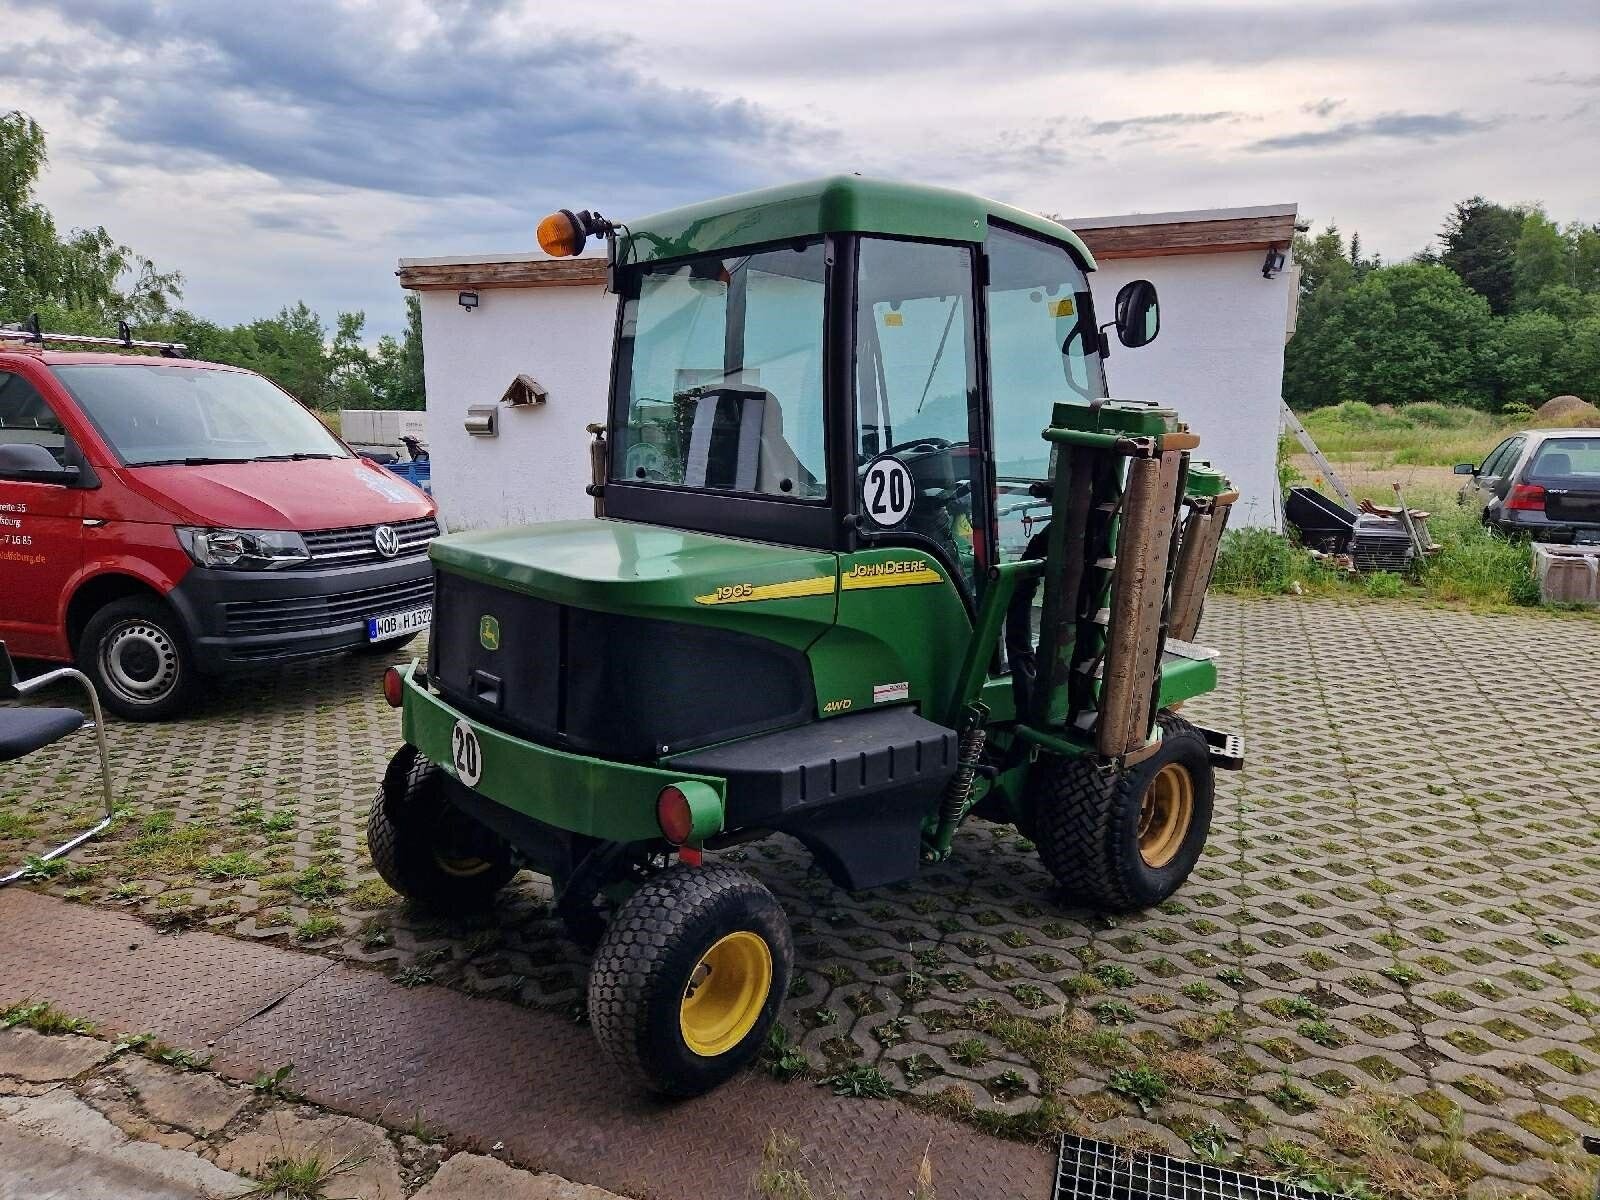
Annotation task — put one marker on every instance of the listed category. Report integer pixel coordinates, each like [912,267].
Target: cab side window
[26,420]
[1043,349]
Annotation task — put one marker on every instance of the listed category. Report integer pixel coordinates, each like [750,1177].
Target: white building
[1227,292]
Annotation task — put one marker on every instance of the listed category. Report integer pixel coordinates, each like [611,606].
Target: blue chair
[24,730]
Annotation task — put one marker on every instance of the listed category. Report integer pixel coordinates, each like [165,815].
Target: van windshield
[157,414]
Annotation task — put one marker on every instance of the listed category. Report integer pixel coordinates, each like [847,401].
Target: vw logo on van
[386,540]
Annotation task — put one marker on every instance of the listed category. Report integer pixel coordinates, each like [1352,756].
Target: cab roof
[835,204]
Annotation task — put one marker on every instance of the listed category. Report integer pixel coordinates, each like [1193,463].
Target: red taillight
[394,687]
[674,815]
[1526,497]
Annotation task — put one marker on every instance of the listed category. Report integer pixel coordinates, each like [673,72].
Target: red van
[163,519]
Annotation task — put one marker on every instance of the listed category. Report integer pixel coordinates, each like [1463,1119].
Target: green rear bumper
[593,796]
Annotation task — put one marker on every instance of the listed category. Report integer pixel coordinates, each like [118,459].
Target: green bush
[1516,408]
[1478,565]
[1258,560]
[1437,416]
[1384,585]
[1358,414]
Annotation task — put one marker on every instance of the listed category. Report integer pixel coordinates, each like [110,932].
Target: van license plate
[392,625]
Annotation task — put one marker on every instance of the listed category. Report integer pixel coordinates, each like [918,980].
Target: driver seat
[761,456]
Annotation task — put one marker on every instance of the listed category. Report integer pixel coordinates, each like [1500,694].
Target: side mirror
[1138,314]
[1465,469]
[27,462]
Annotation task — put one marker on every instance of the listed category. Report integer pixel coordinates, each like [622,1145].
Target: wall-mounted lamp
[1273,264]
[483,420]
[467,300]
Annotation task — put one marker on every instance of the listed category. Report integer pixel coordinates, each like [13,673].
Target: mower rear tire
[689,978]
[1120,841]
[427,849]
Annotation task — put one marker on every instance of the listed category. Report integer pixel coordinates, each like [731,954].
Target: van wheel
[136,653]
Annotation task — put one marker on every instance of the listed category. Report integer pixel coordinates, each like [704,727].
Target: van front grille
[357,543]
[288,614]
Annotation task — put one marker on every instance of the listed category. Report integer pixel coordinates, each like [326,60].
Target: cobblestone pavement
[1388,959]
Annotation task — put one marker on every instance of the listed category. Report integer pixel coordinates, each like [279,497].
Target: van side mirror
[1465,469]
[1138,314]
[30,463]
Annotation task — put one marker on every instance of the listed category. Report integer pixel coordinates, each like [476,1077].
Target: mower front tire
[1120,841]
[427,849]
[689,977]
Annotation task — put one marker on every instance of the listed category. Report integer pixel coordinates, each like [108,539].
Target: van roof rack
[30,333]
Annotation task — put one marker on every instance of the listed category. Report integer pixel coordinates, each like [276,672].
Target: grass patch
[1437,435]
[314,929]
[1476,567]
[42,1017]
[299,1177]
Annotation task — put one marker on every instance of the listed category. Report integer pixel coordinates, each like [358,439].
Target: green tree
[1543,259]
[1585,256]
[83,278]
[1406,333]
[1480,245]
[396,366]
[1328,269]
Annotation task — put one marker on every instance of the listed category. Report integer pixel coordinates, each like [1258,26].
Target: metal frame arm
[99,726]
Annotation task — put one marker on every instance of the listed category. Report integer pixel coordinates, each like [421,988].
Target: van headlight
[244,549]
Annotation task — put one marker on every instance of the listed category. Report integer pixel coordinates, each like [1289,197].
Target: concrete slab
[199,1103]
[34,1058]
[58,1146]
[479,1177]
[358,1158]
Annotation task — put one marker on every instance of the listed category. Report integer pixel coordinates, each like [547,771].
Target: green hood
[780,592]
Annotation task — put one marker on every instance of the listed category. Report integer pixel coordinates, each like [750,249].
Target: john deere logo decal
[489,632]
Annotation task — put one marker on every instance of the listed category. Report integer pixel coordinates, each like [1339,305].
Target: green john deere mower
[874,552]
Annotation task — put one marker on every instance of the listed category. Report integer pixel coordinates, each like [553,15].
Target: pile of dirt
[1568,410]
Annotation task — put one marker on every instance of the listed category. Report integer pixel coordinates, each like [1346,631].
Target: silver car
[1544,483]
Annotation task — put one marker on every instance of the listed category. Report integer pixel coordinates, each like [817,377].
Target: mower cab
[856,431]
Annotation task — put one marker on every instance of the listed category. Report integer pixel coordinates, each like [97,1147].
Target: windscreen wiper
[297,456]
[193,461]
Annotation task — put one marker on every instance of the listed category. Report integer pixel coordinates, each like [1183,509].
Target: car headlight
[244,549]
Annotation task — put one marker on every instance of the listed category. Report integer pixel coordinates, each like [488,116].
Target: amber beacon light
[563,233]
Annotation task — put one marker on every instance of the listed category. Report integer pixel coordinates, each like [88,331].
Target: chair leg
[99,727]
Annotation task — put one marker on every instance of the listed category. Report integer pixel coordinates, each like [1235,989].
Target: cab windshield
[719,374]
[155,415]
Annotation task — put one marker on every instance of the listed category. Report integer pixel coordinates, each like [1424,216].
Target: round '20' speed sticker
[466,754]
[886,491]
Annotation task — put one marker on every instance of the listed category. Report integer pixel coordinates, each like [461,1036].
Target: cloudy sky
[287,150]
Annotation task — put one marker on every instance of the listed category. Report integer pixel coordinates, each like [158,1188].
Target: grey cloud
[1415,127]
[306,224]
[1321,108]
[1046,39]
[316,96]
[1567,79]
[1159,121]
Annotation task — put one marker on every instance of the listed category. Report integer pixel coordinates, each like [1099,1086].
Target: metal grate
[356,544]
[1091,1170]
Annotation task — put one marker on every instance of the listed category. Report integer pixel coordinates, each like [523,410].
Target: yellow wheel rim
[1165,814]
[725,994]
[463,867]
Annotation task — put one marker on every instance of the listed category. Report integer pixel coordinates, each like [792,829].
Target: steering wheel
[932,443]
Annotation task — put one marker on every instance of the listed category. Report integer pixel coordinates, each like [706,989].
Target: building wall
[538,465]
[1218,360]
